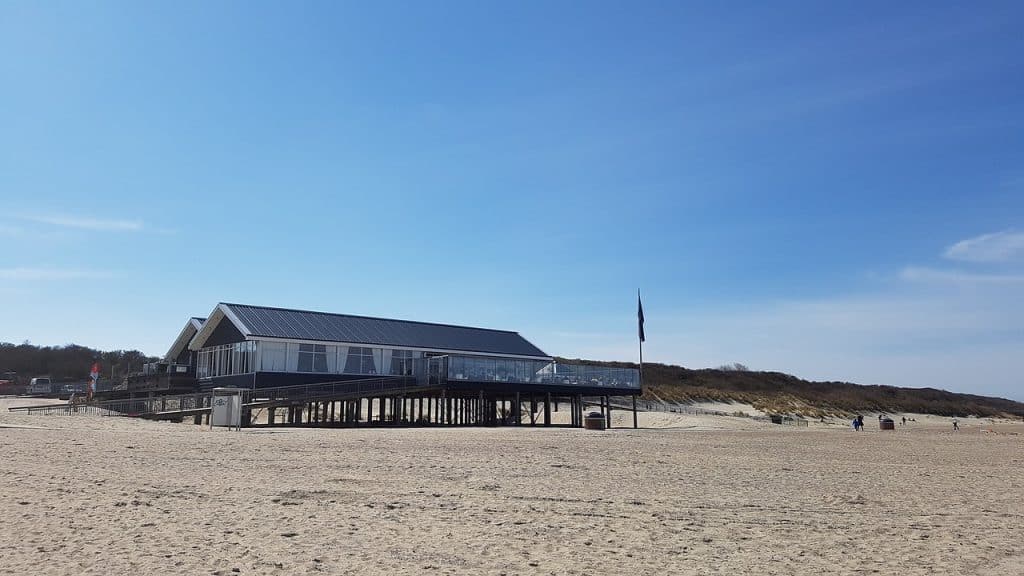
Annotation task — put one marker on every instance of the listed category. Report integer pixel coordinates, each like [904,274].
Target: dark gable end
[224,333]
[184,357]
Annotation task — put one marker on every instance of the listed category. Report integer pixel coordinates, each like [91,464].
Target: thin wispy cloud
[87,223]
[939,275]
[28,273]
[1003,246]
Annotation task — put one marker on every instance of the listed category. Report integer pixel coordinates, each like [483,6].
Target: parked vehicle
[40,386]
[66,390]
[10,387]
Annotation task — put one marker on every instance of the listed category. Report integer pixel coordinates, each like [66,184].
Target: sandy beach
[696,495]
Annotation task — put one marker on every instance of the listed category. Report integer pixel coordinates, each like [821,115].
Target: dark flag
[640,316]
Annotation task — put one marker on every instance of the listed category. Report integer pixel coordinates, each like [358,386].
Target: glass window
[320,359]
[341,360]
[235,358]
[292,364]
[369,365]
[332,359]
[353,361]
[457,368]
[362,360]
[312,358]
[273,356]
[401,362]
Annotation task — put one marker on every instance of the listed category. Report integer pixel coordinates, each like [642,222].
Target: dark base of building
[444,407]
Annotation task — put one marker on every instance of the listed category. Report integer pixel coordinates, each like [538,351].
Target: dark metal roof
[326,327]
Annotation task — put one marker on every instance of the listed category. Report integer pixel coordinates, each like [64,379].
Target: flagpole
[640,339]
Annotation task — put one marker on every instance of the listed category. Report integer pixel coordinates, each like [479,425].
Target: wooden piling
[479,413]
[547,409]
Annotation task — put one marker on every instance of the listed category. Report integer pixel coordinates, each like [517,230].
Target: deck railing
[525,371]
[258,396]
[309,392]
[123,407]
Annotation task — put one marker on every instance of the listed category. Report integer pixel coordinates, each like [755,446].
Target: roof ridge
[371,318]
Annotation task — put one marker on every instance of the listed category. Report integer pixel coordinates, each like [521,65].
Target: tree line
[22,362]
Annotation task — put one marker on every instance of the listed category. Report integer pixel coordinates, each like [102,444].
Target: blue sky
[830,190]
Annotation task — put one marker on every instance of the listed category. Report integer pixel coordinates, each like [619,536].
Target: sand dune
[699,495]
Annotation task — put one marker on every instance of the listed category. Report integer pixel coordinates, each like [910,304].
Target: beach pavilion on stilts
[299,367]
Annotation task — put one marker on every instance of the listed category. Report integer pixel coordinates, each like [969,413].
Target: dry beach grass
[90,495]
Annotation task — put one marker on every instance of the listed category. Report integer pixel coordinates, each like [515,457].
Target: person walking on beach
[904,421]
[956,424]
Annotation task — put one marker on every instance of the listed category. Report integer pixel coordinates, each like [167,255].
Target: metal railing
[258,397]
[344,388]
[654,406]
[123,407]
[523,371]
